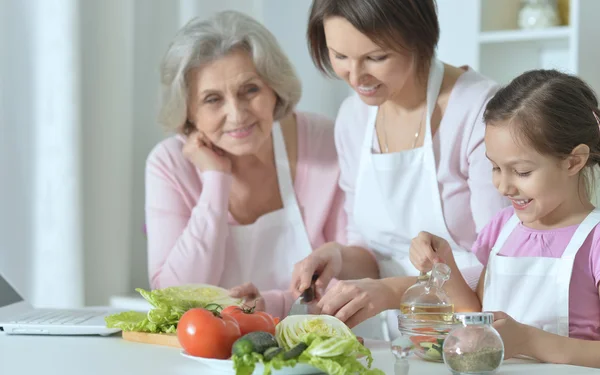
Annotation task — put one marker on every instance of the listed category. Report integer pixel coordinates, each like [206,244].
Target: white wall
[16,159]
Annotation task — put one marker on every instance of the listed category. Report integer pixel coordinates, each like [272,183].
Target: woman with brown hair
[410,146]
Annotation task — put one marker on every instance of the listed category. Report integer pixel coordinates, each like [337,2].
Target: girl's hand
[204,155]
[513,334]
[427,249]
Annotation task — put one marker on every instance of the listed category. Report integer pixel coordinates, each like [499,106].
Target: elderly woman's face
[375,73]
[231,104]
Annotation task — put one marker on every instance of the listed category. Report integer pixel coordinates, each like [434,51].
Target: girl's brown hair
[553,112]
[401,25]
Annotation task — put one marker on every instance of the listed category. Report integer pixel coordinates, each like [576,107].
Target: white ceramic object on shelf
[538,14]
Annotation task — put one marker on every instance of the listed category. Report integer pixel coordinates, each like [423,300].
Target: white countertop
[72,355]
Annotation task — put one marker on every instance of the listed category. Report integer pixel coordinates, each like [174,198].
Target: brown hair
[552,111]
[388,23]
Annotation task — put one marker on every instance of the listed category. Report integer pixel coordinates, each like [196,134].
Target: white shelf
[503,36]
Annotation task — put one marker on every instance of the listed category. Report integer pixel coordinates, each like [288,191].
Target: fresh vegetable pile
[168,306]
[210,324]
[321,341]
[249,338]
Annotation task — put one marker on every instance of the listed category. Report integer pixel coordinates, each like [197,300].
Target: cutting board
[165,339]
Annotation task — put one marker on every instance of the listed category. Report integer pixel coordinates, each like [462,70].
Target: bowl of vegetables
[426,334]
[299,345]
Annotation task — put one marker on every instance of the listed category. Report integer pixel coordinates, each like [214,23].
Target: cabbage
[169,304]
[296,328]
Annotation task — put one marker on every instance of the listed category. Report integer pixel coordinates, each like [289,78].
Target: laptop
[20,318]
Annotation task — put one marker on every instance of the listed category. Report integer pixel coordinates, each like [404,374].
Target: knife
[300,306]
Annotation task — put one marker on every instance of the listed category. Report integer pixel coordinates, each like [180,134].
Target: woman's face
[375,73]
[231,104]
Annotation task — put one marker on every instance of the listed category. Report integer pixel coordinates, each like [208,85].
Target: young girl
[542,255]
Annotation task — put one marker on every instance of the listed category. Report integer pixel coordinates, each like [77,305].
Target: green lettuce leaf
[127,321]
[342,365]
[246,364]
[169,304]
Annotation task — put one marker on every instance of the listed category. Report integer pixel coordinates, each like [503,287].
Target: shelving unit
[509,36]
[484,35]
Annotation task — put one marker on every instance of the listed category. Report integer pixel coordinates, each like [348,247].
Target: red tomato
[250,320]
[417,340]
[201,333]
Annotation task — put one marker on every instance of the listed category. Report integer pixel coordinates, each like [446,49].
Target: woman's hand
[325,261]
[427,249]
[355,301]
[514,334]
[200,151]
[250,294]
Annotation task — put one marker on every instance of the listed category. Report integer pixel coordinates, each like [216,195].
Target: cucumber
[254,342]
[427,345]
[295,351]
[271,353]
[433,354]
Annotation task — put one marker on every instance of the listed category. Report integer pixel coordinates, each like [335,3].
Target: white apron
[542,284]
[397,196]
[266,251]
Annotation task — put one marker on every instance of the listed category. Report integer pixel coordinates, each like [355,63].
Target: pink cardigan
[187,214]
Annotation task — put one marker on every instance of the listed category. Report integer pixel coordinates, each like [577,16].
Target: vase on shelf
[563,11]
[538,14]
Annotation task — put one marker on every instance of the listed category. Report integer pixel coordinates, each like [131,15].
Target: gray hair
[203,41]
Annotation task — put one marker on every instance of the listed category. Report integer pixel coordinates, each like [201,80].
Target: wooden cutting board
[165,339]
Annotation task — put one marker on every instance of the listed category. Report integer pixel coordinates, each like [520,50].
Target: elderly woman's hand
[204,155]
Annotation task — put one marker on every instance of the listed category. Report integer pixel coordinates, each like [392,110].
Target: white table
[91,355]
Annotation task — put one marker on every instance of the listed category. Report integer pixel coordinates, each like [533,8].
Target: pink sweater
[469,199]
[187,213]
[584,303]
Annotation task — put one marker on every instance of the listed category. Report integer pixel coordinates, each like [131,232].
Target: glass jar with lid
[474,347]
[426,299]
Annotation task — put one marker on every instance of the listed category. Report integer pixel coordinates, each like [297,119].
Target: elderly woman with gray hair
[247,186]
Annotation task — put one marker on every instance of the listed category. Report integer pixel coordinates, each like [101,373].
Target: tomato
[417,340]
[250,320]
[203,333]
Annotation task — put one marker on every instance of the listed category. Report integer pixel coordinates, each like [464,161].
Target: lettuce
[169,304]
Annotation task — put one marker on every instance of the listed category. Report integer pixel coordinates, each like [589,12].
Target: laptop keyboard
[70,317]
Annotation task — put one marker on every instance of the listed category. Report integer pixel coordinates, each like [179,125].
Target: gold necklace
[417,133]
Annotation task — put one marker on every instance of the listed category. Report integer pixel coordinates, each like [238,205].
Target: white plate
[225,366]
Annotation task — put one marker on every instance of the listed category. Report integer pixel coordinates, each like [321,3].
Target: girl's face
[543,189]
[375,73]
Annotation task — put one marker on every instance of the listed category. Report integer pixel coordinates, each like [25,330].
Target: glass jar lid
[474,318]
